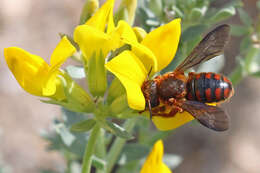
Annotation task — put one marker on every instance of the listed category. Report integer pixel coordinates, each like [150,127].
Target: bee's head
[149,89]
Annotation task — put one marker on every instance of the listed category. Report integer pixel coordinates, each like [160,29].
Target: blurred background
[34,26]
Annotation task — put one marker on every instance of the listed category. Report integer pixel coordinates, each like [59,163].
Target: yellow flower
[96,38]
[156,51]
[99,33]
[34,75]
[154,163]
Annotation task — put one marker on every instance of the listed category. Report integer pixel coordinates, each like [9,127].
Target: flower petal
[164,169]
[144,54]
[154,163]
[49,86]
[111,23]
[102,17]
[125,31]
[29,70]
[163,42]
[91,40]
[63,50]
[178,120]
[131,72]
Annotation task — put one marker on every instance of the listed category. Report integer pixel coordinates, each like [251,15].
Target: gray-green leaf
[118,130]
[83,126]
[66,136]
[245,18]
[223,14]
[238,30]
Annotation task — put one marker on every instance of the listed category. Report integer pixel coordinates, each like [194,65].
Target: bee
[192,93]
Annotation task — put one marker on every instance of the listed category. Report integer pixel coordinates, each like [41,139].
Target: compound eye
[154,98]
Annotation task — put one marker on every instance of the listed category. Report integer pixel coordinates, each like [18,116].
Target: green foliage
[83,126]
[249,55]
[117,130]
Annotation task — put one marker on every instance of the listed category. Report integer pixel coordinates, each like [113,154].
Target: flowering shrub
[116,58]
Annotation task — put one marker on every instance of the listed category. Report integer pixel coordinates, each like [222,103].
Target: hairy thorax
[171,86]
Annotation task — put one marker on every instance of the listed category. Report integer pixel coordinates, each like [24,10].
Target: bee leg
[176,103]
[172,101]
[150,109]
[168,115]
[159,111]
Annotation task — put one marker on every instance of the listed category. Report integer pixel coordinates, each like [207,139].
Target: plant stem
[90,148]
[101,148]
[118,144]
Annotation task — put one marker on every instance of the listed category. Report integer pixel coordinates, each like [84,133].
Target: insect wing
[210,46]
[210,116]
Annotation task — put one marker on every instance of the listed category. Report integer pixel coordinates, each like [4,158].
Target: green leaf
[245,18]
[129,167]
[238,30]
[245,44]
[158,135]
[193,31]
[178,12]
[135,151]
[223,14]
[156,7]
[118,130]
[75,72]
[197,13]
[98,163]
[66,136]
[83,126]
[127,113]
[252,61]
[237,75]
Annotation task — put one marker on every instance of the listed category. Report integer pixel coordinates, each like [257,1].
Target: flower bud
[115,90]
[126,11]
[77,99]
[96,74]
[88,10]
[119,105]
[140,33]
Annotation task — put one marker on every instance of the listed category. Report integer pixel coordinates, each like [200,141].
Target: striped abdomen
[208,87]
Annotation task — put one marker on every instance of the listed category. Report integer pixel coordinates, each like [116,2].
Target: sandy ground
[34,26]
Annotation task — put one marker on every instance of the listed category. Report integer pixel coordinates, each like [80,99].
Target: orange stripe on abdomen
[218,94]
[208,94]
